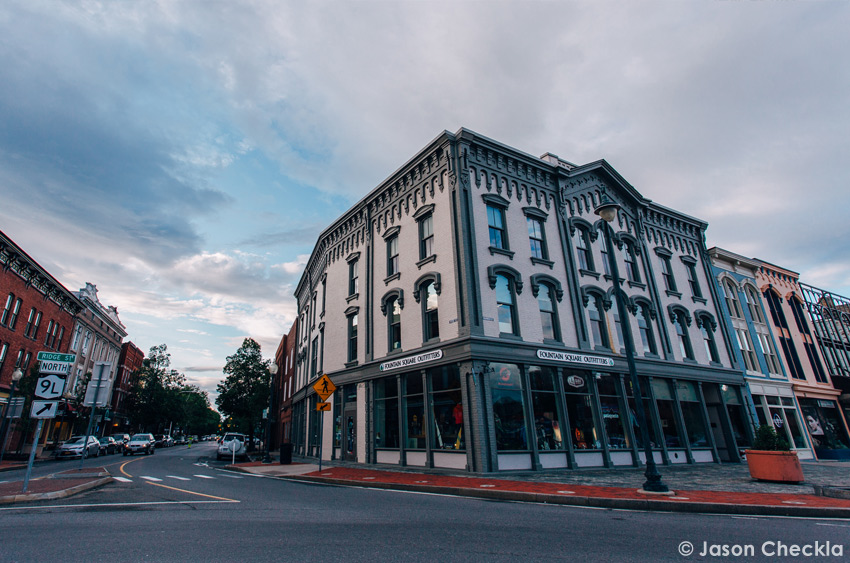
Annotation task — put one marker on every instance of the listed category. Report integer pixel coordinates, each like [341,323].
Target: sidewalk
[58,485]
[730,490]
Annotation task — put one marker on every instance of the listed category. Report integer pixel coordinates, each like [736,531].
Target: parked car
[121,439]
[230,443]
[140,443]
[73,447]
[107,445]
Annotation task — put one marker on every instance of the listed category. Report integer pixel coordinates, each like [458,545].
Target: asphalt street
[182,505]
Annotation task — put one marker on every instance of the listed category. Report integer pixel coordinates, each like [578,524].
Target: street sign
[323,406]
[54,357]
[98,385]
[15,408]
[324,387]
[51,366]
[43,409]
[49,386]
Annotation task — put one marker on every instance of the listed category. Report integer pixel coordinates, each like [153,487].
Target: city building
[464,311]
[37,315]
[810,380]
[772,396]
[285,360]
[129,361]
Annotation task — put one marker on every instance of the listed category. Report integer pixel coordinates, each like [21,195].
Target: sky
[184,156]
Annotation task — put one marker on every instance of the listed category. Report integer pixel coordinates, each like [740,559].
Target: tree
[154,401]
[244,393]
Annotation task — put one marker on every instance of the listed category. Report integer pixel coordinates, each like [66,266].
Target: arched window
[632,263]
[394,324]
[647,337]
[732,300]
[585,256]
[429,311]
[680,322]
[505,305]
[598,331]
[753,305]
[548,313]
[707,325]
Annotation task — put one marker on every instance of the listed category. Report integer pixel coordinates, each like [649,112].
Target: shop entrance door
[349,429]
[717,431]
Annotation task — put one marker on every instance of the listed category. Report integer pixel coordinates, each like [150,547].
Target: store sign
[412,360]
[777,420]
[575,381]
[575,358]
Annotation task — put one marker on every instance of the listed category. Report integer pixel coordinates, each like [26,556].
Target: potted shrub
[771,458]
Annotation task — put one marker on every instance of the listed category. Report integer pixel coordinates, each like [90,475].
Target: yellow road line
[125,463]
[191,492]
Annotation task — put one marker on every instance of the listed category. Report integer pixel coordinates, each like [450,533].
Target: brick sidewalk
[54,486]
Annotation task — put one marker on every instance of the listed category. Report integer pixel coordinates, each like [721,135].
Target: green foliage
[768,440]
[154,401]
[244,393]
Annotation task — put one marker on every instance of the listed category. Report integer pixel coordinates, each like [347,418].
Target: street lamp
[16,376]
[267,458]
[607,210]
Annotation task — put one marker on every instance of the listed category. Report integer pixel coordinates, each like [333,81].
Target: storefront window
[447,408]
[508,407]
[386,413]
[337,422]
[737,416]
[414,412]
[692,413]
[580,412]
[654,440]
[547,417]
[793,423]
[612,415]
[824,423]
[667,413]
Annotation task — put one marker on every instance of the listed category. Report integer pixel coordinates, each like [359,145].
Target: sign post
[324,388]
[102,372]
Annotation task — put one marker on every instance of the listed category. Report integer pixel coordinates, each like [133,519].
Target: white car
[232,443]
[73,447]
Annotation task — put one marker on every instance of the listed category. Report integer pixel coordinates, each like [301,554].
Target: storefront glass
[508,407]
[547,417]
[612,413]
[414,412]
[654,440]
[825,425]
[737,416]
[580,412]
[447,408]
[667,413]
[692,413]
[386,413]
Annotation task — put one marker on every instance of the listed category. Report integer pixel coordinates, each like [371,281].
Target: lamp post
[16,376]
[267,458]
[607,210]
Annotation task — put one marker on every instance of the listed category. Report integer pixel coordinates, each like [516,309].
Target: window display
[667,413]
[508,407]
[692,413]
[386,413]
[447,408]
[580,412]
[612,413]
[414,412]
[547,418]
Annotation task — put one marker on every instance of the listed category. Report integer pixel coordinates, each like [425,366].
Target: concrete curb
[56,494]
[655,504]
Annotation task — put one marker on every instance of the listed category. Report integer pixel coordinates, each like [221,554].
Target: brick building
[285,360]
[129,361]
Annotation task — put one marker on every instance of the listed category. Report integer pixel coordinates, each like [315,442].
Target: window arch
[753,304]
[681,319]
[430,312]
[730,290]
[645,315]
[583,235]
[631,257]
[548,312]
[707,326]
[433,277]
[391,305]
[595,303]
[506,289]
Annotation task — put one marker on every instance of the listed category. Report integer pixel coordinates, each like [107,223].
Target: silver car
[139,443]
[73,447]
[231,444]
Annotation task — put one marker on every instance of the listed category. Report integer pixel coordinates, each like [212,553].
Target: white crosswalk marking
[231,476]
[204,477]
[123,479]
[149,478]
[180,478]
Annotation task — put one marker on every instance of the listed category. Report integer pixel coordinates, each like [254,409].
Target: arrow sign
[43,409]
[323,406]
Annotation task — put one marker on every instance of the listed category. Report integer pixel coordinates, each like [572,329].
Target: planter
[783,467]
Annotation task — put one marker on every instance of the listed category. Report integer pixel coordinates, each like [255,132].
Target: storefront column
[567,431]
[677,407]
[531,427]
[707,422]
[600,422]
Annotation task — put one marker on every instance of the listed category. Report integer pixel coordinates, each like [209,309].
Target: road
[181,505]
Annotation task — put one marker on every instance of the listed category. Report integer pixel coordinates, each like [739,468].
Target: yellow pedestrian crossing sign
[324,387]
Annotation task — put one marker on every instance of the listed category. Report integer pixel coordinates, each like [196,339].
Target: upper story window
[745,343]
[769,353]
[583,252]
[548,313]
[314,357]
[86,342]
[426,236]
[352,337]
[431,308]
[314,310]
[732,300]
[606,262]
[4,350]
[667,273]
[7,310]
[632,263]
[324,293]
[353,277]
[394,324]
[647,337]
[30,321]
[392,255]
[618,323]
[505,304]
[16,309]
[693,280]
[680,323]
[598,330]
[60,337]
[496,224]
[536,238]
[753,305]
[707,327]
[51,332]
[76,341]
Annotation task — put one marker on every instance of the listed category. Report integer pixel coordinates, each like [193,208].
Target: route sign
[55,357]
[51,366]
[49,386]
[323,406]
[324,387]
[43,409]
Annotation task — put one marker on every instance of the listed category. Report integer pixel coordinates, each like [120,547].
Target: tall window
[353,279]
[4,350]
[680,323]
[352,337]
[16,309]
[585,257]
[314,357]
[30,320]
[808,341]
[645,326]
[51,333]
[7,310]
[606,263]
[753,305]
[426,237]
[496,223]
[632,264]
[598,331]
[746,346]
[431,315]
[618,323]
[781,323]
[505,305]
[667,273]
[548,315]
[392,255]
[732,300]
[769,353]
[708,340]
[536,238]
[693,281]
[61,336]
[394,324]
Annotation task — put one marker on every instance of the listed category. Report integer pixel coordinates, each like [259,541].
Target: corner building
[464,311]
